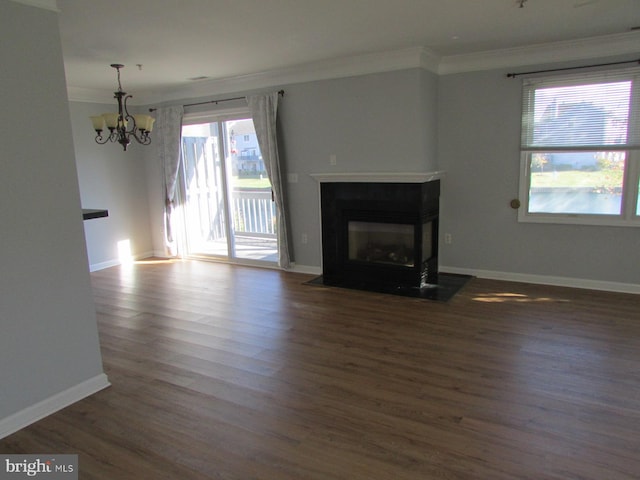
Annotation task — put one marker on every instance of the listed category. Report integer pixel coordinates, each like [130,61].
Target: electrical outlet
[304,239]
[292,177]
[448,238]
[333,160]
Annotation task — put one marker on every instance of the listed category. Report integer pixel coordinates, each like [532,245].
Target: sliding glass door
[229,212]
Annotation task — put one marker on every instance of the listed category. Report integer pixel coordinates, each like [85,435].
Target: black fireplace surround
[380,236]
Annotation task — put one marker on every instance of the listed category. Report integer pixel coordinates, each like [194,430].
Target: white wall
[115,180]
[479,132]
[49,350]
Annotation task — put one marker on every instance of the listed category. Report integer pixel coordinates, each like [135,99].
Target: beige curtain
[169,128]
[264,110]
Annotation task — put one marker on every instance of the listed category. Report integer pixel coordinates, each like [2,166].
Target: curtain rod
[280,92]
[514,75]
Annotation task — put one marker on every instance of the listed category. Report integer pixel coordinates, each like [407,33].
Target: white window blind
[587,111]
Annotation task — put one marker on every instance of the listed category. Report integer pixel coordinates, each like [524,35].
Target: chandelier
[122,125]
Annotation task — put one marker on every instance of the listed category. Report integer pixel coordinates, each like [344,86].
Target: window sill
[578,219]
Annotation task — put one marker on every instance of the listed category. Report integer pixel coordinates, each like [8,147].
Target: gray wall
[479,131]
[113,179]
[412,120]
[373,123]
[49,340]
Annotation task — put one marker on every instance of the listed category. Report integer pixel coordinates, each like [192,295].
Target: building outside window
[580,148]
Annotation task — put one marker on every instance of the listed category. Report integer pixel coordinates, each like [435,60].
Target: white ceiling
[176,41]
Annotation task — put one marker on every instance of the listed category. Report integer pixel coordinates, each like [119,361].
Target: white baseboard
[308,269]
[546,280]
[94,267]
[491,274]
[517,277]
[56,402]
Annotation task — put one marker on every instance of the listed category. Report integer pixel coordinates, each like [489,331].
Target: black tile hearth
[448,285]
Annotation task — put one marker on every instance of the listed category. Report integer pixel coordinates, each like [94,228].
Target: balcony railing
[249,156]
[254,224]
[253,213]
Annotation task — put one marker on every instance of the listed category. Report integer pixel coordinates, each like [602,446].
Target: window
[580,149]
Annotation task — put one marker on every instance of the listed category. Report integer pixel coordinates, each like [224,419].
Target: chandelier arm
[143,139]
[139,135]
[112,137]
[100,140]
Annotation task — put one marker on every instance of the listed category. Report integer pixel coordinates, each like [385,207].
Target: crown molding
[414,57]
[94,95]
[44,4]
[594,47]
[88,95]
[380,62]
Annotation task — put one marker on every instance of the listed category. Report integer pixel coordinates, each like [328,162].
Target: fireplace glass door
[385,243]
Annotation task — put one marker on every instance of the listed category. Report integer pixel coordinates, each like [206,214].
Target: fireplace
[380,236]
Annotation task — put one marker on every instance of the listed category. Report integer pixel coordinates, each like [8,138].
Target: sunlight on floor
[158,261]
[124,252]
[504,297]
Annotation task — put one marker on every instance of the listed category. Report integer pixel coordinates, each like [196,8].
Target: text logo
[50,467]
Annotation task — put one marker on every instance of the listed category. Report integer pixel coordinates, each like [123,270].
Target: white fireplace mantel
[379,177]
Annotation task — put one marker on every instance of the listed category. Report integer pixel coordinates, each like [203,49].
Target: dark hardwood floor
[222,372]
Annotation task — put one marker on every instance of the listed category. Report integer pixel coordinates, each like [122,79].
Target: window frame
[630,209]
